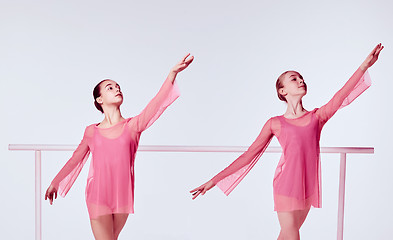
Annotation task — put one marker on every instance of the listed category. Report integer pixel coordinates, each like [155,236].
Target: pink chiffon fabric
[297,179]
[110,183]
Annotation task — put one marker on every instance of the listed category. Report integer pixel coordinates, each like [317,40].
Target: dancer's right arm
[68,174]
[252,154]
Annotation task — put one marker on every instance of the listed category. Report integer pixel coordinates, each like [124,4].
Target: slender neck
[295,107]
[112,116]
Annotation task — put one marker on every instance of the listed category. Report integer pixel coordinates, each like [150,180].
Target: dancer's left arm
[165,97]
[327,111]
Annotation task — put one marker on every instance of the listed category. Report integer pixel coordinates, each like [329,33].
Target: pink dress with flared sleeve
[110,183]
[297,179]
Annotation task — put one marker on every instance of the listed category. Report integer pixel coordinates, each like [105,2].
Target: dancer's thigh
[102,227]
[119,220]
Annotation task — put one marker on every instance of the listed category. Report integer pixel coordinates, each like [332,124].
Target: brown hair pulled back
[97,94]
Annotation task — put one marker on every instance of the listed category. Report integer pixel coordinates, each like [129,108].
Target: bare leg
[102,227]
[302,217]
[290,223]
[119,220]
[289,227]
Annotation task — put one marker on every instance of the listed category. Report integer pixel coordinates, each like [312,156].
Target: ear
[282,92]
[99,100]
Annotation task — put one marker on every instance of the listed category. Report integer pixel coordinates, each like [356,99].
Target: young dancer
[297,181]
[113,144]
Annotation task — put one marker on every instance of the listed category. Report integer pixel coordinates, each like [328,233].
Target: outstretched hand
[50,192]
[183,64]
[202,189]
[372,57]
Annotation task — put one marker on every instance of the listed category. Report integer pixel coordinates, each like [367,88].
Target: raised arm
[68,174]
[167,94]
[231,176]
[357,84]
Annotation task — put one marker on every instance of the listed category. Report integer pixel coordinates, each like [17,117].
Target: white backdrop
[54,52]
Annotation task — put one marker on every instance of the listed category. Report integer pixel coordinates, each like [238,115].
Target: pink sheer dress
[297,179]
[110,183]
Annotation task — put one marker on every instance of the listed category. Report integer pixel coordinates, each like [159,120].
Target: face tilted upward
[293,85]
[110,94]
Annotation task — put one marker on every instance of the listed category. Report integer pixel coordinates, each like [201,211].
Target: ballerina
[113,143]
[297,181]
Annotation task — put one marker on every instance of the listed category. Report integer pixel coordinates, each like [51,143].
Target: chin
[118,103]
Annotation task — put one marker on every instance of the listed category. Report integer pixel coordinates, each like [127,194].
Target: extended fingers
[378,50]
[49,196]
[196,194]
[198,188]
[196,191]
[185,57]
[188,61]
[183,64]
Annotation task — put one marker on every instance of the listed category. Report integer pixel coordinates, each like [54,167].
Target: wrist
[54,184]
[213,181]
[173,73]
[172,76]
[363,67]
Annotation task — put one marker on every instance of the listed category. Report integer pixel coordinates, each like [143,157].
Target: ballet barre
[38,148]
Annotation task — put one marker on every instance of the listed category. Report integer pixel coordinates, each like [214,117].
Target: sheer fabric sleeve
[355,86]
[231,176]
[68,174]
[167,94]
